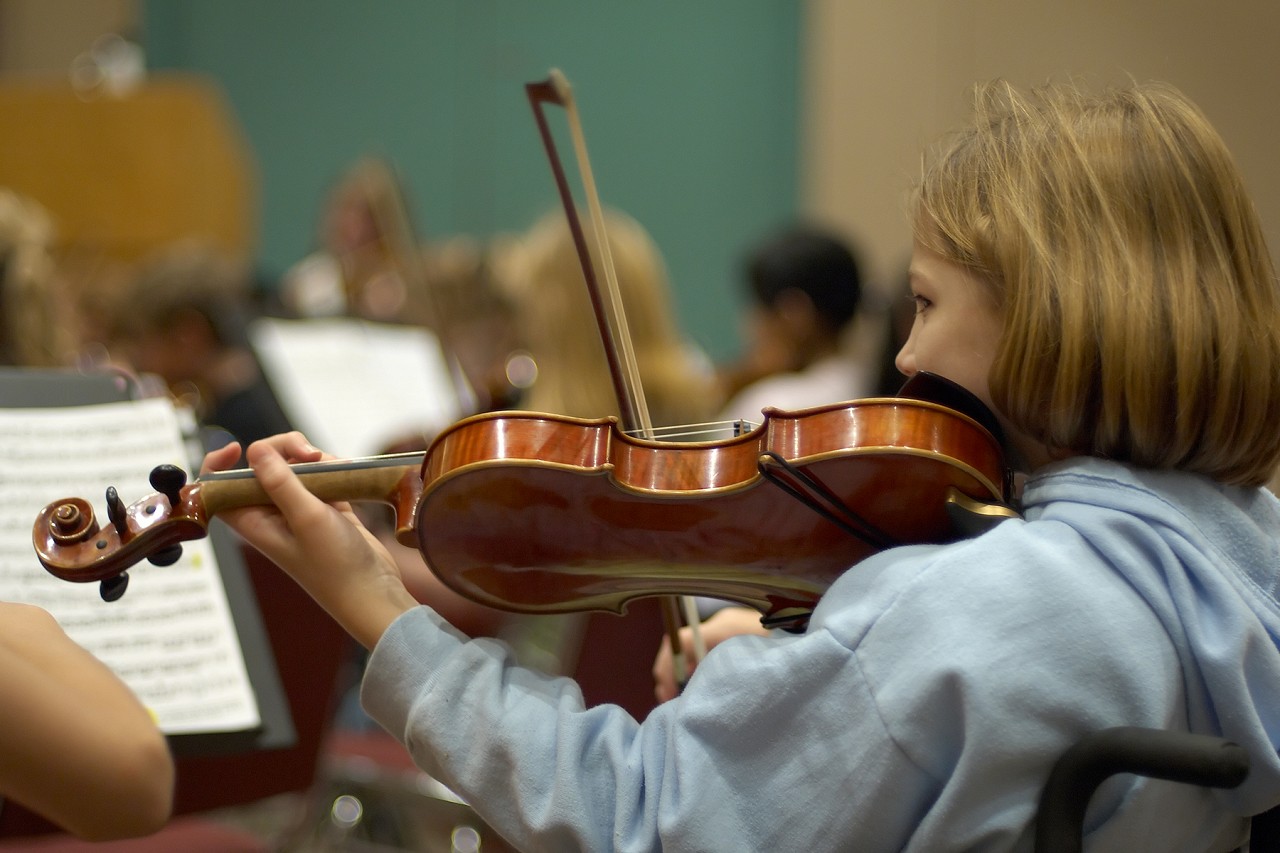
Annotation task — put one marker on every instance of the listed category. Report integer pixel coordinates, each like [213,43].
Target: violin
[541,513]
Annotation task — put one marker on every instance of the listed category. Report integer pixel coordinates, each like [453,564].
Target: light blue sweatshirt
[923,707]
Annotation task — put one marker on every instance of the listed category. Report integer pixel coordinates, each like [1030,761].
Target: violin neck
[393,480]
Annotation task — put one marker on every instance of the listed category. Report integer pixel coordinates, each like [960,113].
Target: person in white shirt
[806,287]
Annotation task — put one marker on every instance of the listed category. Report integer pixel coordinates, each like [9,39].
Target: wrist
[374,613]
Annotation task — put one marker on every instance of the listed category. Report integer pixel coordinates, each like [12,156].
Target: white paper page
[353,386]
[171,637]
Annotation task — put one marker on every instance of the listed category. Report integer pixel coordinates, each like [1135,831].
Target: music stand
[275,621]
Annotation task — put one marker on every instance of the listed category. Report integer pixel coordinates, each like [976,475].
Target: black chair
[1175,756]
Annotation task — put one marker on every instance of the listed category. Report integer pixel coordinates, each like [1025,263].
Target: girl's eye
[921,302]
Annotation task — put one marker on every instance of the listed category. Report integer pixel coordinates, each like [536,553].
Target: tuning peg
[169,480]
[116,512]
[112,588]
[167,557]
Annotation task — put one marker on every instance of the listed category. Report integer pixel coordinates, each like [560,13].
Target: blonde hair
[1141,311]
[559,327]
[36,312]
[370,184]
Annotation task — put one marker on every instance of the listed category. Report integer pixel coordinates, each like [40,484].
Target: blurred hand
[723,624]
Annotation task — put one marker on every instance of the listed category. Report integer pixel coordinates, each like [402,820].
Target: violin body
[543,514]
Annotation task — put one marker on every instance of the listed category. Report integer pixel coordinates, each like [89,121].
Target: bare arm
[469,617]
[76,745]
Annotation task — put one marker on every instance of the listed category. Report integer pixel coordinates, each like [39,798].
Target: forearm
[470,617]
[79,747]
[365,612]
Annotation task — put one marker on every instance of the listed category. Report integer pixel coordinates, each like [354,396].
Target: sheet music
[352,386]
[171,637]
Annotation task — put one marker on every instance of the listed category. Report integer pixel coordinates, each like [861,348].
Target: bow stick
[606,304]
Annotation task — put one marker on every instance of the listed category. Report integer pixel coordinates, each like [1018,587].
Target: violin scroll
[73,546]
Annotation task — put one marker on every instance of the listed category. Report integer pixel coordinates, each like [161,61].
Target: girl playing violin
[1089,266]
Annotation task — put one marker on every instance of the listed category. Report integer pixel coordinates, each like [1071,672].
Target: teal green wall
[689,109]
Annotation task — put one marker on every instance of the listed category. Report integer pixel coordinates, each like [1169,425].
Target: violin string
[389,460]
[709,430]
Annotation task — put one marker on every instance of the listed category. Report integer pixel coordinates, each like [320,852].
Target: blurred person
[806,286]
[557,325]
[563,370]
[367,260]
[76,747]
[184,317]
[463,302]
[39,320]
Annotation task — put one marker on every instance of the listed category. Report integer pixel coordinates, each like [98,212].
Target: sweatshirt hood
[1206,559]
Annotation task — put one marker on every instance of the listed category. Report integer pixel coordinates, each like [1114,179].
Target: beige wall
[47,35]
[885,79]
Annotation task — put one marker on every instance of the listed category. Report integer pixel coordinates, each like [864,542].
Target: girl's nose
[905,360]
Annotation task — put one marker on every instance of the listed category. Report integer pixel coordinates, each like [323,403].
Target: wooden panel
[123,175]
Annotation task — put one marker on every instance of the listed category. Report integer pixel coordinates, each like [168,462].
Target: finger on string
[279,480]
[220,459]
[294,447]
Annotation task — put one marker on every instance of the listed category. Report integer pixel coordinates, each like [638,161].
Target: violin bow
[606,303]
